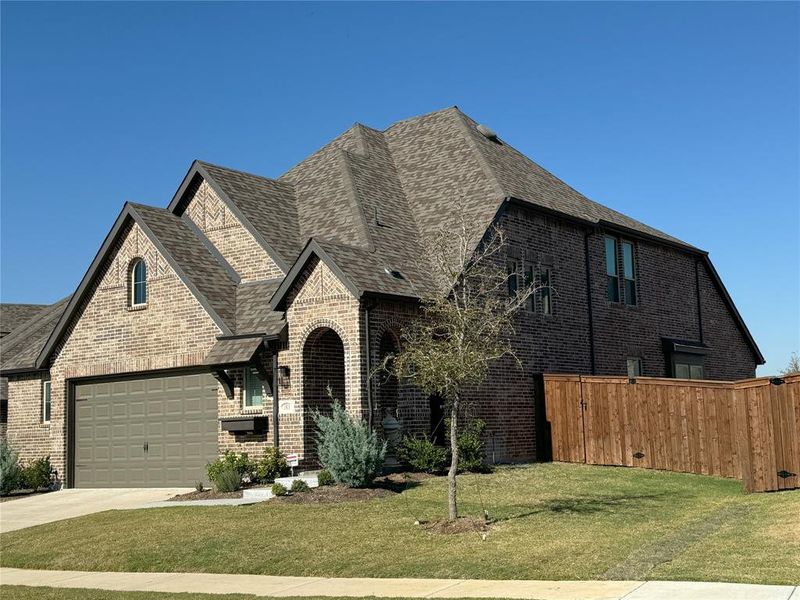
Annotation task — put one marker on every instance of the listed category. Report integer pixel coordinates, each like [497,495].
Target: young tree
[465,323]
[794,365]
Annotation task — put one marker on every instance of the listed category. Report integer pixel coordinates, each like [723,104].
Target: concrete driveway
[66,504]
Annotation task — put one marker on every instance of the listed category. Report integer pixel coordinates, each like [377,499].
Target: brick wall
[319,302]
[26,432]
[207,210]
[107,337]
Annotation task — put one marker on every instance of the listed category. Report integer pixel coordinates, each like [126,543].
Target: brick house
[219,321]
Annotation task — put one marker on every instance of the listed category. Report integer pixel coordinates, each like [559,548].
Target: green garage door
[150,432]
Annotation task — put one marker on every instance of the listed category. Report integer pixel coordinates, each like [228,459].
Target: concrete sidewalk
[265,585]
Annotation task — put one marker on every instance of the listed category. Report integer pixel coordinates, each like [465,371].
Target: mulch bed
[460,525]
[206,495]
[22,494]
[333,494]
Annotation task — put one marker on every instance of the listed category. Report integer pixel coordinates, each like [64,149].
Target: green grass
[553,521]
[20,592]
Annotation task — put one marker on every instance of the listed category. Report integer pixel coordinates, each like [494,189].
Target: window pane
[627,260]
[139,282]
[613,289]
[46,401]
[546,292]
[530,304]
[253,388]
[696,372]
[630,291]
[682,371]
[511,269]
[611,256]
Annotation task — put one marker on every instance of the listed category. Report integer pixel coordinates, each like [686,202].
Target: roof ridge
[422,116]
[356,206]
[466,130]
[247,173]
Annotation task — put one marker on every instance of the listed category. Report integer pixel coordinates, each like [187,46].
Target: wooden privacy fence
[746,429]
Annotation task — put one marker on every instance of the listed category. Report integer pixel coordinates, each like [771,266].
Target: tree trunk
[451,474]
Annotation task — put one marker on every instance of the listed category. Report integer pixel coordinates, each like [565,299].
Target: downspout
[275,400]
[699,303]
[369,367]
[589,299]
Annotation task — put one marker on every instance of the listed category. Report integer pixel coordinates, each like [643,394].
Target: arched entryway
[323,382]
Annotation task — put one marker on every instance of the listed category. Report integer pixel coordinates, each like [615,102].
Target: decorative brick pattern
[236,244]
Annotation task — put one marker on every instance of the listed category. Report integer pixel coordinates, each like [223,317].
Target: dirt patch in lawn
[206,495]
[461,525]
[332,494]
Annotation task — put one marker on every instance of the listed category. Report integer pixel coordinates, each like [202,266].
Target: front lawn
[552,521]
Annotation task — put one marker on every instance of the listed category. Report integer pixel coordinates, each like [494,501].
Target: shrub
[225,466]
[298,485]
[471,452]
[198,486]
[228,479]
[348,449]
[272,465]
[38,474]
[230,460]
[10,473]
[278,489]
[324,477]
[423,455]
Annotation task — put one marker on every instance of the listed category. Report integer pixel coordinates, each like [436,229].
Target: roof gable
[193,263]
[265,207]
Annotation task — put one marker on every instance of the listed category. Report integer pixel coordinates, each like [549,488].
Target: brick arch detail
[308,330]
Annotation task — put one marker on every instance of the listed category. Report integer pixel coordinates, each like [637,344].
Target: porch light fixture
[283,375]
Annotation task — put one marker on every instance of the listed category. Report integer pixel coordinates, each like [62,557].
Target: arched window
[138,282]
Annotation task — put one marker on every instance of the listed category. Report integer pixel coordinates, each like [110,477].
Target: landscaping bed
[333,494]
[206,495]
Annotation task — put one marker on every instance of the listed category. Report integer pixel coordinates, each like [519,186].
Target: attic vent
[488,133]
[395,274]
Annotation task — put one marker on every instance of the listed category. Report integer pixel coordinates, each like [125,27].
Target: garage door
[149,432]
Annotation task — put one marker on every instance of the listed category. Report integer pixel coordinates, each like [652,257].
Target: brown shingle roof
[14,315]
[19,349]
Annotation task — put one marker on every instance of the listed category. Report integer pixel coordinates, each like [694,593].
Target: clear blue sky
[682,115]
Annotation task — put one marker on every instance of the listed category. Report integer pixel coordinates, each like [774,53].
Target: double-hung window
[612,274]
[253,389]
[46,404]
[628,273]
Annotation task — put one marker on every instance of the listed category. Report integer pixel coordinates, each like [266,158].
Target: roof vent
[394,273]
[488,133]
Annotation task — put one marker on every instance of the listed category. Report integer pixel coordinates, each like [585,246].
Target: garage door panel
[145,432]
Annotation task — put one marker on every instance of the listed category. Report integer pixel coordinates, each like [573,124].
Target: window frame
[251,373]
[47,401]
[629,299]
[134,284]
[612,279]
[689,360]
